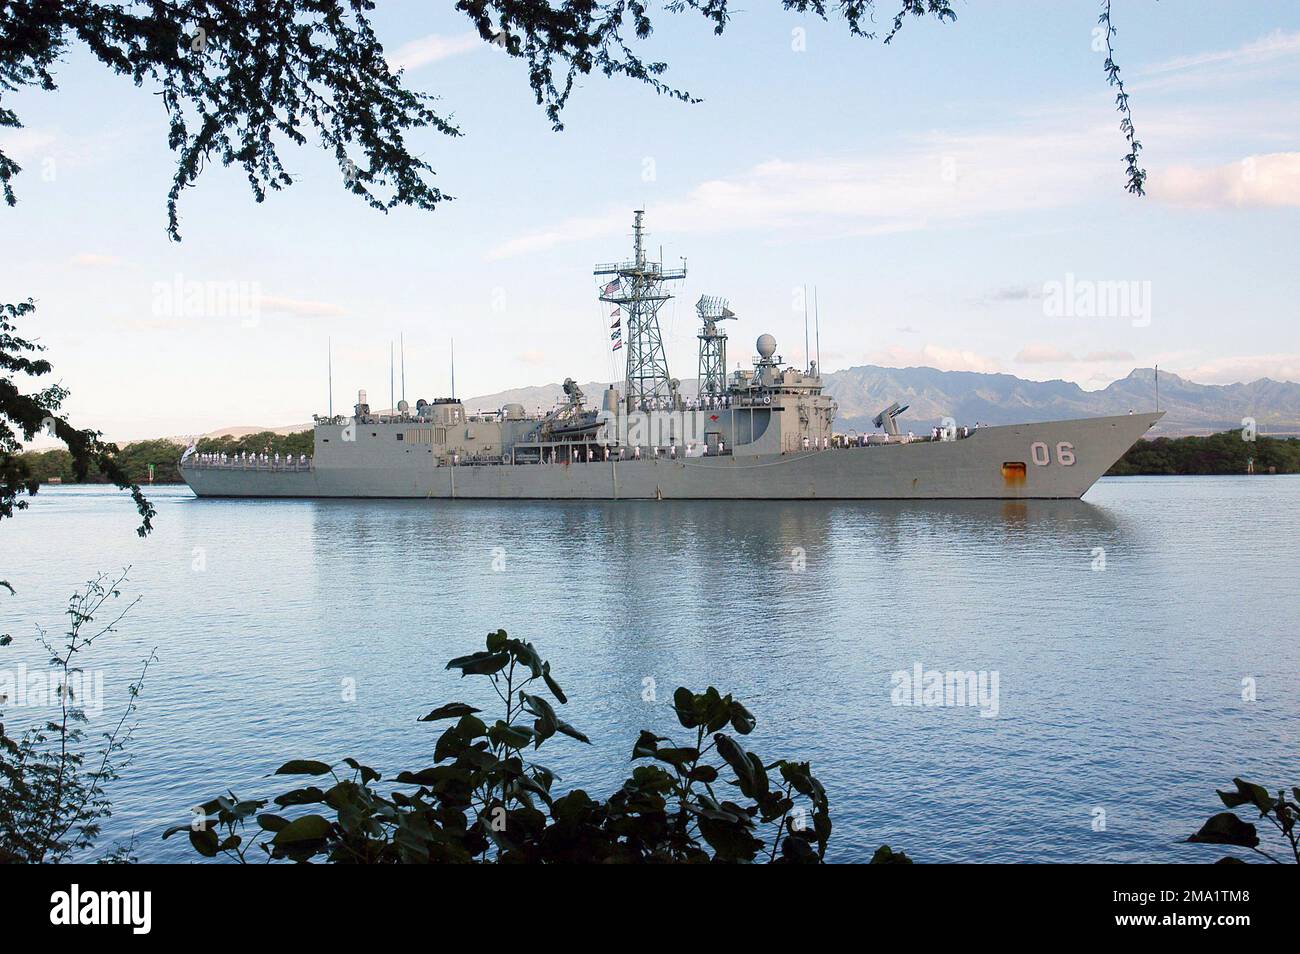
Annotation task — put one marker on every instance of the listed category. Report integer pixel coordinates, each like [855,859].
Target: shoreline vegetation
[1220,454]
[56,466]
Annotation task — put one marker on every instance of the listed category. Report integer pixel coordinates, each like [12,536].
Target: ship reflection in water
[1111,629]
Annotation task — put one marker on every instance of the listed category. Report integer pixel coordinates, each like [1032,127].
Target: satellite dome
[766,346]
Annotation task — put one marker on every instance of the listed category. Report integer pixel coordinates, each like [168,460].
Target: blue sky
[931,190]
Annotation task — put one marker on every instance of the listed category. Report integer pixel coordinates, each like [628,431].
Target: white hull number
[1042,455]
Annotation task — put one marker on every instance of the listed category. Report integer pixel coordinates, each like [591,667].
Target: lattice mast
[713,345]
[637,287]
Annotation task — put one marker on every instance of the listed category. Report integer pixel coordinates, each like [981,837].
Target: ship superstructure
[766,432]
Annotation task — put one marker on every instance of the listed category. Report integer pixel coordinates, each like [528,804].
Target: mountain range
[972,396]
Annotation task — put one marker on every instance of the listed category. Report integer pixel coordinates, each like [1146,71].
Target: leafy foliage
[1224,453]
[1227,828]
[238,78]
[22,416]
[1137,176]
[483,798]
[52,783]
[235,75]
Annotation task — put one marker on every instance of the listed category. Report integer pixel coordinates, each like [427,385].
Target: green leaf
[739,761]
[571,732]
[887,856]
[272,823]
[677,757]
[684,706]
[452,710]
[1248,793]
[547,722]
[368,774]
[742,720]
[204,841]
[513,736]
[1226,828]
[703,773]
[717,710]
[480,663]
[497,641]
[527,656]
[306,828]
[303,767]
[552,685]
[647,744]
[300,796]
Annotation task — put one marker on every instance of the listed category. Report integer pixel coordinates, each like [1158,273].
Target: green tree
[1217,454]
[24,414]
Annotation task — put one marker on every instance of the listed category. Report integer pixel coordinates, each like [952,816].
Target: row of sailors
[247,458]
[586,455]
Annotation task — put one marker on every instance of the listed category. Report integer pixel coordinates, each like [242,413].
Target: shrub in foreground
[1228,828]
[483,799]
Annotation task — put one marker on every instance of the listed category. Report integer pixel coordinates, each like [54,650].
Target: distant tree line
[1225,453]
[263,442]
[164,455]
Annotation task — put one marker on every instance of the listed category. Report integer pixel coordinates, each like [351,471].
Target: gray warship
[761,433]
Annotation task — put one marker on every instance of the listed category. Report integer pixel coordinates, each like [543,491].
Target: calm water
[1118,690]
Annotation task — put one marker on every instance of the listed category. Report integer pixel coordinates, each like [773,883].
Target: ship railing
[287,466]
[850,441]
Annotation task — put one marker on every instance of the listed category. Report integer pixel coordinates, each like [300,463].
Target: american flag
[617,345]
[615,312]
[610,288]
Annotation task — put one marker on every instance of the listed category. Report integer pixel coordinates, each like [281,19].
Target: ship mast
[713,346]
[637,288]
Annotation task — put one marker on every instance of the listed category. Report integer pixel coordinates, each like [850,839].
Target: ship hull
[1048,460]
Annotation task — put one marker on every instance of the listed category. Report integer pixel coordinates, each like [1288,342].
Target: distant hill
[184,440]
[971,396]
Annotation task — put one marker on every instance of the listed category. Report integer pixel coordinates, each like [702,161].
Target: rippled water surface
[1120,690]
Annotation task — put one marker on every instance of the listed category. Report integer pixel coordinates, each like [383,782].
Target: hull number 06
[1042,456]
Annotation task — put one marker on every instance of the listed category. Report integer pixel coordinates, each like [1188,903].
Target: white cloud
[1049,354]
[1246,368]
[95,260]
[930,181]
[935,356]
[1255,181]
[431,49]
[1042,354]
[26,145]
[297,306]
[1275,45]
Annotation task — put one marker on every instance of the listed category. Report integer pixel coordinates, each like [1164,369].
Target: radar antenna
[713,345]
